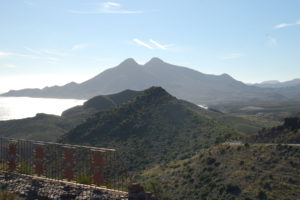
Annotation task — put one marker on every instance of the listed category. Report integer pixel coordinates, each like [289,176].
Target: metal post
[69,162]
[98,164]
[12,155]
[39,156]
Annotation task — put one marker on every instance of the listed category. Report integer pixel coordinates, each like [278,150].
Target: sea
[23,107]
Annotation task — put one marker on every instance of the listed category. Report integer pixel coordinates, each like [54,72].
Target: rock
[137,192]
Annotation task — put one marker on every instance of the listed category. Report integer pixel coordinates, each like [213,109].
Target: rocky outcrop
[137,192]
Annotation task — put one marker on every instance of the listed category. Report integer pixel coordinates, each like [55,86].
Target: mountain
[50,127]
[181,82]
[278,84]
[226,171]
[152,128]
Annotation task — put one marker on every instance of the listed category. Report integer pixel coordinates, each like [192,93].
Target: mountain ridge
[278,84]
[179,81]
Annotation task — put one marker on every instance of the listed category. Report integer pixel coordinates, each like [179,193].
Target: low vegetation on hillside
[288,133]
[153,128]
[230,172]
[46,127]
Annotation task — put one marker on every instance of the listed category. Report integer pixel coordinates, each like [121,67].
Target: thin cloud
[9,66]
[5,54]
[54,52]
[51,52]
[33,50]
[76,47]
[110,5]
[35,57]
[232,56]
[284,25]
[141,43]
[108,8]
[163,47]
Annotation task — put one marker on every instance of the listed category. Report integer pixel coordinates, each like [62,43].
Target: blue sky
[47,42]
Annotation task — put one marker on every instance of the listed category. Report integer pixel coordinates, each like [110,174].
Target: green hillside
[230,172]
[50,127]
[154,127]
[41,127]
[96,104]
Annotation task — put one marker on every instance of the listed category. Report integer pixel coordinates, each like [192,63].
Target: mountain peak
[156,94]
[155,60]
[129,61]
[226,76]
[156,89]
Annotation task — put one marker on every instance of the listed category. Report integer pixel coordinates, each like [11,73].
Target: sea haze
[22,107]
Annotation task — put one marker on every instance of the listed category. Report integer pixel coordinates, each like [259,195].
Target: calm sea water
[22,107]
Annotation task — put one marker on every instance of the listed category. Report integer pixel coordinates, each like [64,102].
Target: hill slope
[41,127]
[50,127]
[182,82]
[154,127]
[230,172]
[288,133]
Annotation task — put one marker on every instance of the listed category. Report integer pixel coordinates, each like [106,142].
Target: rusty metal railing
[73,163]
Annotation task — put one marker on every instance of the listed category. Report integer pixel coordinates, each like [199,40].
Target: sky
[52,42]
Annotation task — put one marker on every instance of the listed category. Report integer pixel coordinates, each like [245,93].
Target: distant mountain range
[278,84]
[181,82]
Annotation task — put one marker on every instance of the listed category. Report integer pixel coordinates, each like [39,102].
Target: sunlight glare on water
[22,107]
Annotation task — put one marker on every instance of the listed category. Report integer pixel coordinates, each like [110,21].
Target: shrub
[262,195]
[5,195]
[233,189]
[84,179]
[210,160]
[24,168]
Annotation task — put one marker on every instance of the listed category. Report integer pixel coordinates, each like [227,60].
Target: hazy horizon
[47,80]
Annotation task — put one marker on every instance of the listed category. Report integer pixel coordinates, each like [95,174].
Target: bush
[210,160]
[233,189]
[24,168]
[5,195]
[262,195]
[84,179]
[155,187]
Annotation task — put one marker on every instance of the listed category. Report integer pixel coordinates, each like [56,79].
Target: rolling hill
[50,127]
[152,128]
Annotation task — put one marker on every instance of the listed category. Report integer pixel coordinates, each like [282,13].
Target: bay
[23,107]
